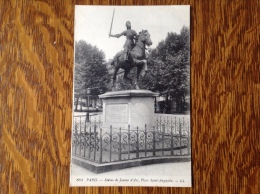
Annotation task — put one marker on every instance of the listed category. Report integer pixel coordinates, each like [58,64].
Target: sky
[92,24]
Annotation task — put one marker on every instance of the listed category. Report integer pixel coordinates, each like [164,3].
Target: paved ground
[168,174]
[176,169]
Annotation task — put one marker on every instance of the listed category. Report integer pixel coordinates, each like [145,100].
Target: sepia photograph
[131,122]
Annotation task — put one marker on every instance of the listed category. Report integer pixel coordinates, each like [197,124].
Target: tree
[90,71]
[169,68]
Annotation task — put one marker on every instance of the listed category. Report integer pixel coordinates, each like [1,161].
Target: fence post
[137,143]
[85,140]
[80,136]
[163,132]
[129,142]
[183,130]
[171,139]
[75,136]
[145,140]
[154,141]
[100,138]
[89,147]
[180,136]
[189,139]
[110,148]
[119,157]
[95,138]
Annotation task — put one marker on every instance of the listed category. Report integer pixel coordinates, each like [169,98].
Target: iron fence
[168,137]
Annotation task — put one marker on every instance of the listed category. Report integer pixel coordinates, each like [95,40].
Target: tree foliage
[90,70]
[169,68]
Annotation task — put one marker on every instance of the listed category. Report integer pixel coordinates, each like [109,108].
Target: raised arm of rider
[117,35]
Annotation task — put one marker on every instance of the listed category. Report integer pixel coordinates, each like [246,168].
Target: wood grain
[36,74]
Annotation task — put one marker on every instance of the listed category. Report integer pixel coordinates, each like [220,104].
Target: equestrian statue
[133,54]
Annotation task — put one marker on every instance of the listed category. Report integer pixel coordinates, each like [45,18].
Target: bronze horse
[136,58]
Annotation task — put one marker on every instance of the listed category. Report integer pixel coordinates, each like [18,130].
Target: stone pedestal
[128,107]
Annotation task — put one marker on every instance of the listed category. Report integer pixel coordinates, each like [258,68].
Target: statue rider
[131,35]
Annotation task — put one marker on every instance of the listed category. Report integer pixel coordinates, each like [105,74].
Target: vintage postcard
[131,97]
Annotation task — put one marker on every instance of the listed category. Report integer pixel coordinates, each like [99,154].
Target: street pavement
[176,169]
[163,175]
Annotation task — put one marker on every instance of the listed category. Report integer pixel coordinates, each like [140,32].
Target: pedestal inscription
[134,108]
[116,113]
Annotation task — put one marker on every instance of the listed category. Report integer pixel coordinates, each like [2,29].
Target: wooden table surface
[36,74]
